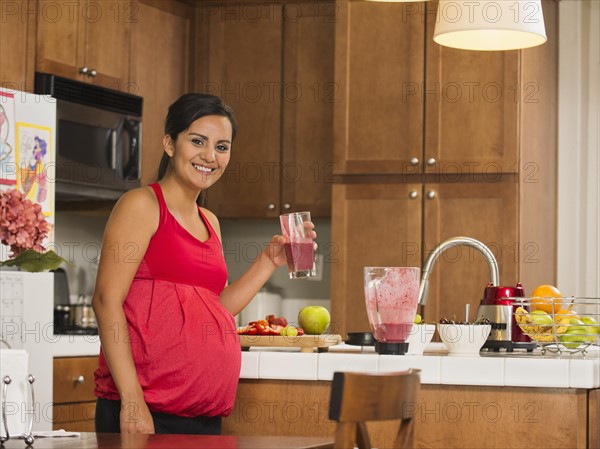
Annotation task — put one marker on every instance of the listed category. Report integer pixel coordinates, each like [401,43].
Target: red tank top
[183,341]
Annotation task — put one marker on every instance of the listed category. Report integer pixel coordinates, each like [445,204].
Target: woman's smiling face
[201,153]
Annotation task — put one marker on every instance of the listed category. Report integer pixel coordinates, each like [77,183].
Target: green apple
[418,319]
[314,319]
[541,318]
[574,337]
[591,324]
[577,333]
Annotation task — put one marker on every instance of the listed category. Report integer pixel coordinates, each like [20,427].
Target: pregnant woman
[170,356]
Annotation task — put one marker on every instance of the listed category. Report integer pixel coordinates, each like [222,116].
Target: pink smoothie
[396,333]
[392,303]
[300,256]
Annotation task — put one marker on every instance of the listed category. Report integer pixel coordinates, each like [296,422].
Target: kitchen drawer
[66,416]
[74,379]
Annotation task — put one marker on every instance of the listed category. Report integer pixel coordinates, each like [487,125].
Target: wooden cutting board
[306,343]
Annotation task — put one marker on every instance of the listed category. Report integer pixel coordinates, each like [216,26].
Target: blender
[391,298]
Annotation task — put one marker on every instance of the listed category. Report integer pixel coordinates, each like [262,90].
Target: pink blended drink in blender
[391,296]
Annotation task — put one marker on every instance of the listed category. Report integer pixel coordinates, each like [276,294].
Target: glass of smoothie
[391,297]
[299,246]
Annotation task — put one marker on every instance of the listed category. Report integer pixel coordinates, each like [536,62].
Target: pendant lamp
[397,1]
[490,25]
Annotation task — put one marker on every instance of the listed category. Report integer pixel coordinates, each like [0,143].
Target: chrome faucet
[451,242]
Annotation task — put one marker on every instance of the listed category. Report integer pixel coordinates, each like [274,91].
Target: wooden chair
[357,398]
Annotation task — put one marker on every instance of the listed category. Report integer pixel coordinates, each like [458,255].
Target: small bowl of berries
[464,338]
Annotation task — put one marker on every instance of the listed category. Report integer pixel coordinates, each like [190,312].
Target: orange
[544,297]
[565,313]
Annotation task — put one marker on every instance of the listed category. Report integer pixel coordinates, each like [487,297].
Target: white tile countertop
[75,345]
[517,369]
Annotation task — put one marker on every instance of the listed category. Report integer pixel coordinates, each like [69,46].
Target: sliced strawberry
[281,321]
[277,329]
[243,330]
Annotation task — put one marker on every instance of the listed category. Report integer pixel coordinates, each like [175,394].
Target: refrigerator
[27,163]
[27,149]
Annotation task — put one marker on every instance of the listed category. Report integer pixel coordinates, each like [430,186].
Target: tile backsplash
[78,238]
[244,239]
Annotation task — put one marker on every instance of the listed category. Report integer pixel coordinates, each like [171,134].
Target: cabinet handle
[414,161]
[93,72]
[84,70]
[271,206]
[80,379]
[431,194]
[431,161]
[413,194]
[287,206]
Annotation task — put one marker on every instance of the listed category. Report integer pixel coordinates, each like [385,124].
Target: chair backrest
[359,397]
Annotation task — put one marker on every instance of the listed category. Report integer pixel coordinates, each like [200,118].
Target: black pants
[108,420]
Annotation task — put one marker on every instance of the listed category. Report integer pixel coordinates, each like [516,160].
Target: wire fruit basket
[560,325]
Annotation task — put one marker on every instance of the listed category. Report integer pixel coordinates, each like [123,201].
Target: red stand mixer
[498,306]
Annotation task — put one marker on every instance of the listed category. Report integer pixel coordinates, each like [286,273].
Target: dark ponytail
[186,110]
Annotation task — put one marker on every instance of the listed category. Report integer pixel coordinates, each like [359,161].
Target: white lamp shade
[490,25]
[396,1]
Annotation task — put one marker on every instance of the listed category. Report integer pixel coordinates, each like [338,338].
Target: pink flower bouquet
[23,228]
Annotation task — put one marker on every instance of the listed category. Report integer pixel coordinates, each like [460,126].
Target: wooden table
[141,441]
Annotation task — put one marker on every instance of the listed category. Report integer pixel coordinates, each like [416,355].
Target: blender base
[510,346]
[391,348]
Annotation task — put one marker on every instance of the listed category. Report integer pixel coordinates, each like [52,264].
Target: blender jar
[391,298]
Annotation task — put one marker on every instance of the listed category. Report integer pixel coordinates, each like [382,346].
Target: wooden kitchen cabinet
[408,104]
[17,45]
[472,103]
[281,159]
[484,211]
[379,61]
[309,94]
[74,403]
[445,416]
[372,225]
[86,40]
[159,70]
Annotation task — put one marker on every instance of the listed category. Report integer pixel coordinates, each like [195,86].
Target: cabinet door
[484,211]
[378,115]
[107,41]
[372,225]
[471,108]
[159,84]
[17,46]
[308,97]
[61,30]
[244,44]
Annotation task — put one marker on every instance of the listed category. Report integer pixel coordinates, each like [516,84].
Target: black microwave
[98,139]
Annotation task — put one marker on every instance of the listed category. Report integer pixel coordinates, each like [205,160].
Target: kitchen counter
[494,400]
[517,369]
[75,345]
